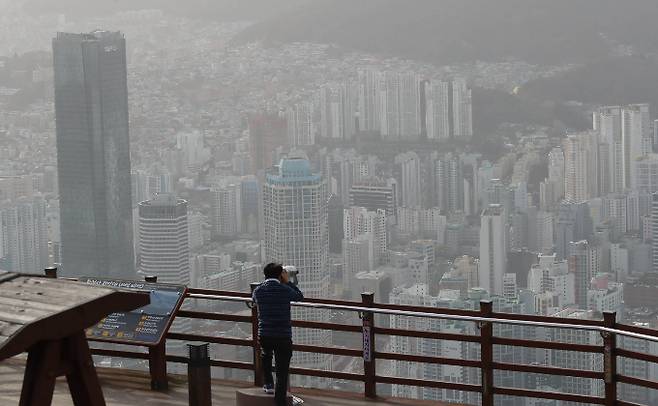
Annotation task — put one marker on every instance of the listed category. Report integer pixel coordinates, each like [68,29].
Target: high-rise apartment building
[462,109]
[24,235]
[349,104]
[615,211]
[573,223]
[300,127]
[390,106]
[359,221]
[191,152]
[164,249]
[584,264]
[579,167]
[267,133]
[375,196]
[636,136]
[409,168]
[493,249]
[576,359]
[552,188]
[139,187]
[250,202]
[449,180]
[410,126]
[654,232]
[226,209]
[607,122]
[646,173]
[331,112]
[358,257]
[295,210]
[370,85]
[626,131]
[14,187]
[437,110]
[400,106]
[195,230]
[418,295]
[637,368]
[338,108]
[93,157]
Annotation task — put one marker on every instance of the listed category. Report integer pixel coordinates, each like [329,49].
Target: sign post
[369,362]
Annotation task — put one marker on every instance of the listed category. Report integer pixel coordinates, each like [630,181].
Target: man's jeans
[282,349]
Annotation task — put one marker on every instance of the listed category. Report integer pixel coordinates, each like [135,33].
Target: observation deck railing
[485,318]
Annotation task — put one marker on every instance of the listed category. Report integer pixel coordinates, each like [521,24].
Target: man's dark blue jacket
[273,300]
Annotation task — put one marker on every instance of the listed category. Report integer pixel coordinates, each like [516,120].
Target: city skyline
[167,148]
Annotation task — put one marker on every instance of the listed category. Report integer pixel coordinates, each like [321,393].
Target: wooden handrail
[484,319]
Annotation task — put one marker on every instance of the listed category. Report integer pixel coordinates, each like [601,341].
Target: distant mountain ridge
[448,31]
[218,10]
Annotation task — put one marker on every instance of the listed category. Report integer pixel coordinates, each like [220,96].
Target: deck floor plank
[128,388]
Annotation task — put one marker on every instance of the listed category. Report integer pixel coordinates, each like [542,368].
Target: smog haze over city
[436,153]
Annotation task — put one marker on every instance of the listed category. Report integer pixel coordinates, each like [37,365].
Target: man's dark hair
[273,270]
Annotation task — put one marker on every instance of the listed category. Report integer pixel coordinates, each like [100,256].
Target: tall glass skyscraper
[93,157]
[295,210]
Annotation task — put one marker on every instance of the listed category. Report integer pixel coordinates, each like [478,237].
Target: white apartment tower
[410,175]
[462,109]
[369,100]
[449,183]
[637,137]
[646,173]
[493,249]
[331,112]
[626,131]
[24,235]
[226,209]
[607,121]
[437,110]
[654,232]
[577,167]
[358,221]
[409,105]
[301,131]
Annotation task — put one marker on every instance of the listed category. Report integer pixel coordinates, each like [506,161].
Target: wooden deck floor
[130,388]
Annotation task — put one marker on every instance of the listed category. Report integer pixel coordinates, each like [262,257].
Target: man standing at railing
[273,298]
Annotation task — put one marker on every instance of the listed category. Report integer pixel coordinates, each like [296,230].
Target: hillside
[217,10]
[447,31]
[622,80]
[492,108]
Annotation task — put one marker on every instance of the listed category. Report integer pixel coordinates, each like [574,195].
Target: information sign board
[147,325]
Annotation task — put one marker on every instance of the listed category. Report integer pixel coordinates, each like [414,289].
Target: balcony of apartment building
[175,374]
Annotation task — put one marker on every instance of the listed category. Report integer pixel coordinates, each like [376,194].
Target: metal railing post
[51,272]
[258,367]
[486,354]
[610,359]
[158,356]
[198,375]
[369,361]
[158,366]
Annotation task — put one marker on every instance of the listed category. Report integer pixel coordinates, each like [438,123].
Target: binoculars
[292,272]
